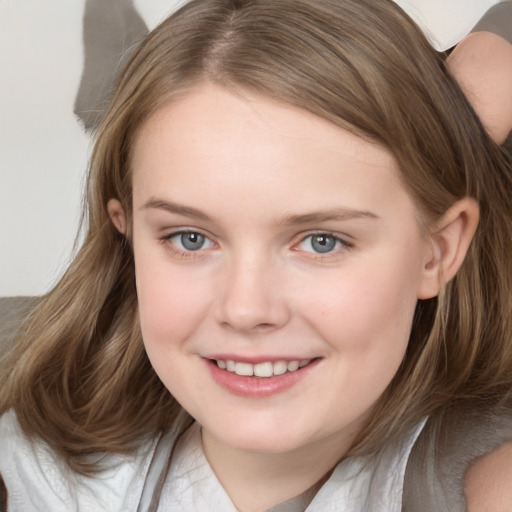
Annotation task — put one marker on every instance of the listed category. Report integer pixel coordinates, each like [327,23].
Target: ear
[449,243]
[117,215]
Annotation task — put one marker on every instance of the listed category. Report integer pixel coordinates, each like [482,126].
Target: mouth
[261,378]
[265,369]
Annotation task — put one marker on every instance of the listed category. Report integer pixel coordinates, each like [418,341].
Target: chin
[260,436]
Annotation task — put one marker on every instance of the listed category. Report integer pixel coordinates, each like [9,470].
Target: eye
[321,243]
[189,241]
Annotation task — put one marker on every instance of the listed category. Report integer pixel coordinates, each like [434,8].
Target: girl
[295,281]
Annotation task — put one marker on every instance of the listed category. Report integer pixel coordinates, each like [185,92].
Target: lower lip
[257,387]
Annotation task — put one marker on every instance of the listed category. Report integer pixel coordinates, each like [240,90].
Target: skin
[254,171]
[482,64]
[487,483]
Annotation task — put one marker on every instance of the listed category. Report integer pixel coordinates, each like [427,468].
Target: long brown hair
[79,377]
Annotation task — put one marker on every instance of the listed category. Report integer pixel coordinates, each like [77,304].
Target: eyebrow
[327,215]
[339,214]
[169,206]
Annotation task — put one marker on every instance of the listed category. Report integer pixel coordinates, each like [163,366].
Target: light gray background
[43,148]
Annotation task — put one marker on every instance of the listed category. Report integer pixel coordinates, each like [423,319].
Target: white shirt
[38,482]
[446,22]
[353,486]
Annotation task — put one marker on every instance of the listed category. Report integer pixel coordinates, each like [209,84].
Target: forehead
[208,106]
[245,146]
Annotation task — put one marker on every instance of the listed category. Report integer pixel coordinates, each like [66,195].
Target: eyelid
[166,240]
[169,232]
[343,240]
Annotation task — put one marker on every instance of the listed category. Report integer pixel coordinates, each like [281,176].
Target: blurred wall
[43,146]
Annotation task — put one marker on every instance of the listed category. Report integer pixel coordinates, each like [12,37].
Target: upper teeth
[267,369]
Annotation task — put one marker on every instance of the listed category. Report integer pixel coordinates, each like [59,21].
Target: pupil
[323,243]
[192,241]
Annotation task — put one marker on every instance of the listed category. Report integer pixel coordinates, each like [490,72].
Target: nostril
[251,312]
[259,327]
[263,326]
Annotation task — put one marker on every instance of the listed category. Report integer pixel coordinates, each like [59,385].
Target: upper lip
[256,359]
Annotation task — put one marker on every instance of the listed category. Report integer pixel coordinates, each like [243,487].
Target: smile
[262,370]
[260,378]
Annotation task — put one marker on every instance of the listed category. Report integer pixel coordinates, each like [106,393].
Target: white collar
[354,486]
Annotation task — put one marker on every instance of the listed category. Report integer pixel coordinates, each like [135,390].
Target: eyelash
[184,252]
[340,244]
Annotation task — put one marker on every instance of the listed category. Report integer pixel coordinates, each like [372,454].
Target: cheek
[171,301]
[367,311]
[365,319]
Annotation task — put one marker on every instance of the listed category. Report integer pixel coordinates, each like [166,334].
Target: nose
[251,299]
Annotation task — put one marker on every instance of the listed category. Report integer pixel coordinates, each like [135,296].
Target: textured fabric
[449,443]
[13,311]
[38,482]
[111,30]
[356,485]
[297,504]
[359,486]
[497,20]
[446,22]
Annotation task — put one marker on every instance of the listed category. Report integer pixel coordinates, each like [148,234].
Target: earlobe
[450,240]
[117,215]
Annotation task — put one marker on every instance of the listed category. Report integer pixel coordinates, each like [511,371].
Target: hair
[79,377]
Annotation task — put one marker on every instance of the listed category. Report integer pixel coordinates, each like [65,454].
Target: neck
[257,481]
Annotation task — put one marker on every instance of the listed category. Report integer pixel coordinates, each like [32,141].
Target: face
[278,264]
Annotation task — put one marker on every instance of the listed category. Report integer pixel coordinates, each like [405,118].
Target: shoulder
[37,479]
[459,448]
[488,481]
